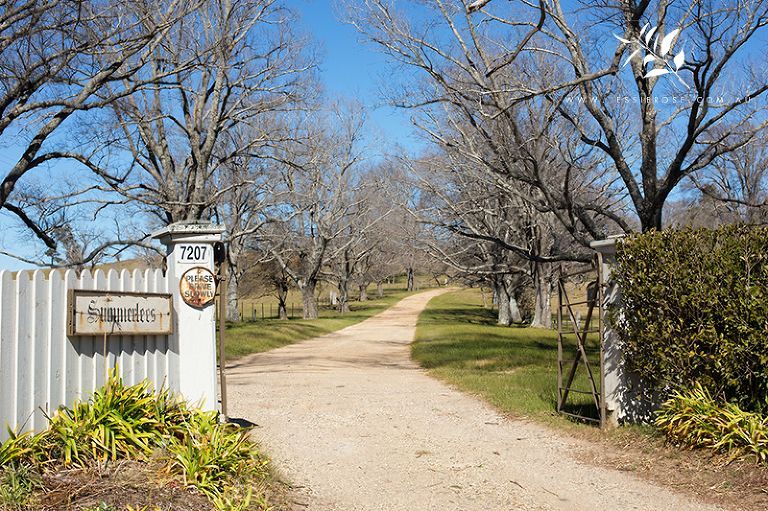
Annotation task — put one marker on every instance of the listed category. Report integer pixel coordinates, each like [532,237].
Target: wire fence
[254,311]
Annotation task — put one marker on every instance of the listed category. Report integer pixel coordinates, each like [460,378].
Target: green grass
[263,335]
[513,368]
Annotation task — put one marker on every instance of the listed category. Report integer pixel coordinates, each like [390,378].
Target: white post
[624,398]
[612,376]
[190,245]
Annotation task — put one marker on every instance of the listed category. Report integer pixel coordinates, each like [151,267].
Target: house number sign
[193,253]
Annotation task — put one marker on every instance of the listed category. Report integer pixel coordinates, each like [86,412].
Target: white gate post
[613,377]
[624,397]
[194,337]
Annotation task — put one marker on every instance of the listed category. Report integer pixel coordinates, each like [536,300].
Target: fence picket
[25,336]
[40,347]
[139,353]
[59,355]
[74,364]
[8,348]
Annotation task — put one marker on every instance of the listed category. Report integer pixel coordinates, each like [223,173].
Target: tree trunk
[379,289]
[650,218]
[363,292]
[504,294]
[502,301]
[309,300]
[503,317]
[343,306]
[542,317]
[282,296]
[410,279]
[233,314]
[514,310]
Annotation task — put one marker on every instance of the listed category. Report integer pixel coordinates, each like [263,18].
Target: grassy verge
[513,368]
[263,335]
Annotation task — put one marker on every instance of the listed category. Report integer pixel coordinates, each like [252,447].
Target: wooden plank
[578,391]
[8,351]
[86,347]
[57,328]
[73,364]
[581,417]
[25,354]
[138,355]
[41,350]
[580,334]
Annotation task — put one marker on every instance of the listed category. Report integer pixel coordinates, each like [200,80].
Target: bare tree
[510,242]
[235,62]
[320,173]
[363,238]
[665,124]
[250,189]
[60,61]
[475,102]
[733,189]
[483,61]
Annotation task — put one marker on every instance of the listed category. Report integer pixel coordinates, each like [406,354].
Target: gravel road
[356,426]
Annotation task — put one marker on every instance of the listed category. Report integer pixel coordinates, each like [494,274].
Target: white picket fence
[42,368]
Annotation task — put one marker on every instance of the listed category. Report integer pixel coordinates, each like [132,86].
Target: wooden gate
[580,345]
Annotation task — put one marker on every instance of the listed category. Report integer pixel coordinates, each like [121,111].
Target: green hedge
[695,311]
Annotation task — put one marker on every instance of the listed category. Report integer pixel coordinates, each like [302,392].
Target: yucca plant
[212,455]
[21,448]
[694,418]
[118,421]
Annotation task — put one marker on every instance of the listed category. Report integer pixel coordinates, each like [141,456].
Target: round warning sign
[198,286]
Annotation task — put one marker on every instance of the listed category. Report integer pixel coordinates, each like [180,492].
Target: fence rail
[41,368]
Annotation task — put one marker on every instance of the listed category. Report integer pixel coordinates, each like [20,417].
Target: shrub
[21,448]
[695,419]
[134,422]
[118,422]
[695,311]
[211,456]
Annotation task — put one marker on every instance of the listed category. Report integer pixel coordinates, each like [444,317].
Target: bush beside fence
[694,311]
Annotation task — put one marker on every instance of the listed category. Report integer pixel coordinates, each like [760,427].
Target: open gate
[580,345]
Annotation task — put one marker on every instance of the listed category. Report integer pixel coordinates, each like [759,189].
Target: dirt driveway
[356,425]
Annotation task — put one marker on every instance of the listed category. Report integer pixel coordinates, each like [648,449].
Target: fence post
[190,245]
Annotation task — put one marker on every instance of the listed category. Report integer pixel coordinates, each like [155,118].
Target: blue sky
[349,67]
